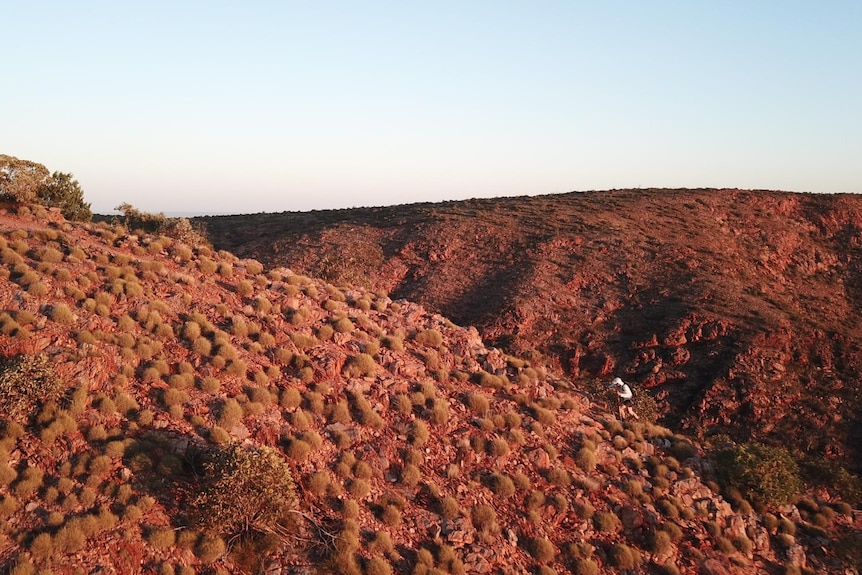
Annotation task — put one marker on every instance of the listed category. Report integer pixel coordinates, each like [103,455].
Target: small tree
[20,180]
[63,192]
[23,182]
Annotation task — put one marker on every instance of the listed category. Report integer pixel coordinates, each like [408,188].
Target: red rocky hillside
[738,311]
[167,408]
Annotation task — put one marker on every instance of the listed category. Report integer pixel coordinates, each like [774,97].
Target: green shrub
[244,490]
[63,192]
[23,181]
[765,475]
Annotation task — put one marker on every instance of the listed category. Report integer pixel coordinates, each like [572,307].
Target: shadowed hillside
[167,408]
[739,311]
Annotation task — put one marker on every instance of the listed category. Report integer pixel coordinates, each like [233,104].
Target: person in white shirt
[624,392]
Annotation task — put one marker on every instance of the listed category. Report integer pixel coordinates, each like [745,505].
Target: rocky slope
[739,311]
[141,376]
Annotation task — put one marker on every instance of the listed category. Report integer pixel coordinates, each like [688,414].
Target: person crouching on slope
[624,393]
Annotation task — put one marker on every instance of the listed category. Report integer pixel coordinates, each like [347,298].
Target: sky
[224,107]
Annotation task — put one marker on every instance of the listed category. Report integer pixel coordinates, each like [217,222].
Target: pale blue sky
[238,107]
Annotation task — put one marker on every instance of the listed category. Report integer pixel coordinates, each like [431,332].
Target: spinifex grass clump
[245,490]
[24,381]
